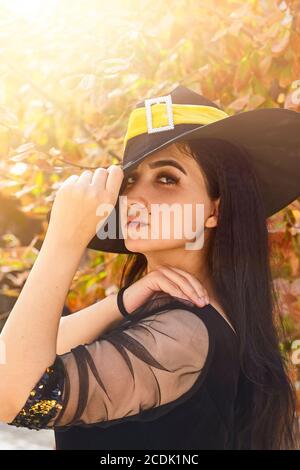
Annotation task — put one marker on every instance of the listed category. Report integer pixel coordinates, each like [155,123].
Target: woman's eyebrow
[159,163]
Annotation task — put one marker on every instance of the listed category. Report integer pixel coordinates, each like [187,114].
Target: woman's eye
[169,180]
[127,181]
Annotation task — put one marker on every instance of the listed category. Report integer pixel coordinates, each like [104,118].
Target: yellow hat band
[182,114]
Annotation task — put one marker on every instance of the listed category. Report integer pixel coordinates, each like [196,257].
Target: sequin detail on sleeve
[44,401]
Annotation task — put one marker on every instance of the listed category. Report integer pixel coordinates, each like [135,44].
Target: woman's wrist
[131,300]
[120,302]
[63,243]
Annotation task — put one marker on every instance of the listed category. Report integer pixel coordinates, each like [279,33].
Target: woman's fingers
[183,285]
[70,180]
[85,177]
[165,284]
[99,178]
[109,179]
[187,283]
[199,288]
[102,178]
[114,178]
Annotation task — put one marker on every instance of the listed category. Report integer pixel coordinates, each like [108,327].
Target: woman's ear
[212,220]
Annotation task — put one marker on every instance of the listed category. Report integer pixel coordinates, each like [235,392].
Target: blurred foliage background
[70,74]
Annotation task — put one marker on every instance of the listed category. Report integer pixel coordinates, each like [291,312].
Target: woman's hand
[74,216]
[174,281]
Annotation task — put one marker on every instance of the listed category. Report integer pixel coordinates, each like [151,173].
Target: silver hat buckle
[160,99]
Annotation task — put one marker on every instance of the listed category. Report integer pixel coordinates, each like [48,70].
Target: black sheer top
[166,378]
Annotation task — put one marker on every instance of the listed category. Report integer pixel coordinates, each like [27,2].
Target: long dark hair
[239,263]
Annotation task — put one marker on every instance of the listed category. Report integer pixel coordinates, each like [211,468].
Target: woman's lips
[136,223]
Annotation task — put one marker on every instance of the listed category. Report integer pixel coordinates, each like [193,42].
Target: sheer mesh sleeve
[145,362]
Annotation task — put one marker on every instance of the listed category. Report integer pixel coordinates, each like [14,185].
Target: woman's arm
[29,336]
[86,325]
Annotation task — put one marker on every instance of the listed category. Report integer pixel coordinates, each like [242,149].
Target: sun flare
[29,9]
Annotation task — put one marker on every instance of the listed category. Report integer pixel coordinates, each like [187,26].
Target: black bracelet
[121,303]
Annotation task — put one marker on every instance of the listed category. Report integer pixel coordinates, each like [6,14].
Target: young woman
[178,371]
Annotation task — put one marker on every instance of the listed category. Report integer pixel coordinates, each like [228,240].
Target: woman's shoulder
[203,332]
[206,324]
[162,302]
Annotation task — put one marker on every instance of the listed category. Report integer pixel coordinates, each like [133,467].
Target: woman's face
[166,179]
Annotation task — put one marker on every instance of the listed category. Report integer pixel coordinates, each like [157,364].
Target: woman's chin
[139,240]
[141,245]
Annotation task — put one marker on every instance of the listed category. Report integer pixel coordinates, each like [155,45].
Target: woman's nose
[136,208]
